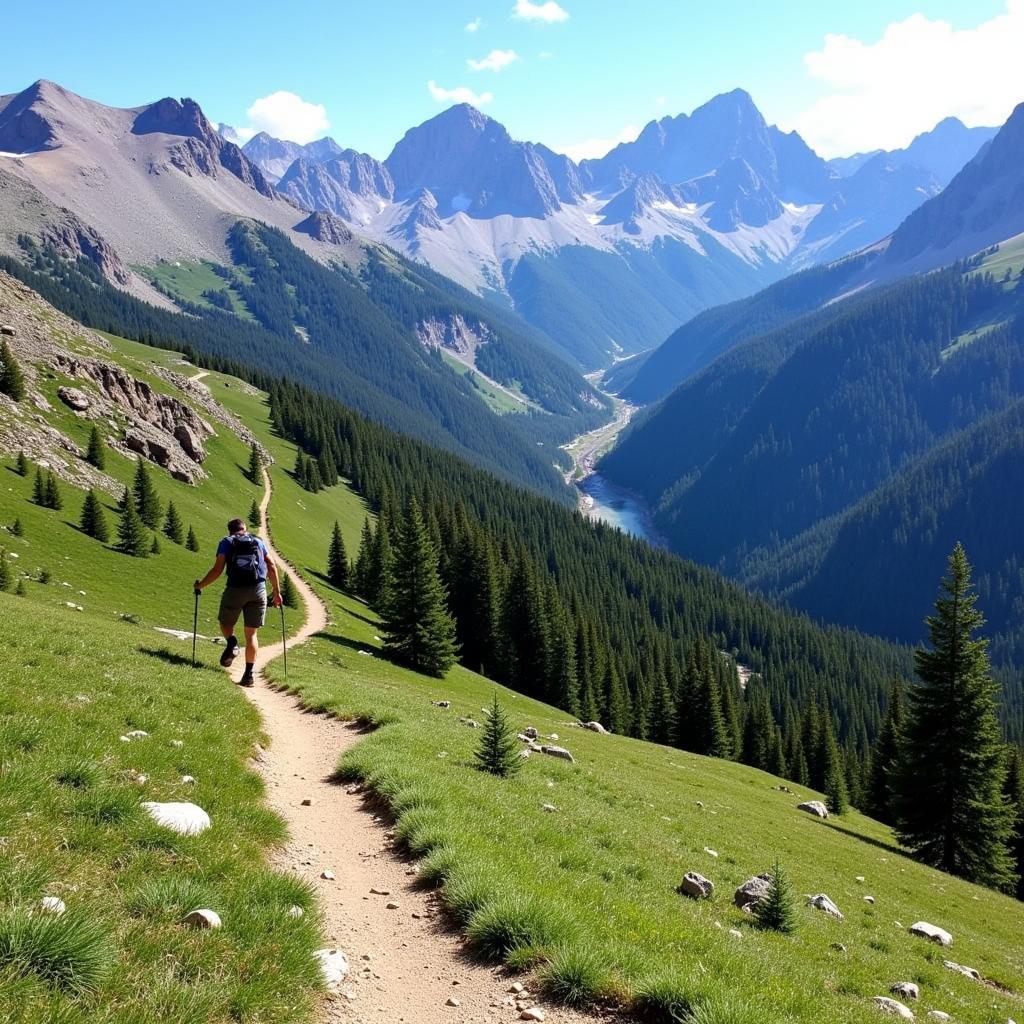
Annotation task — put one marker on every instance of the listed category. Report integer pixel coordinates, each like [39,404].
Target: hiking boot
[247,679]
[230,651]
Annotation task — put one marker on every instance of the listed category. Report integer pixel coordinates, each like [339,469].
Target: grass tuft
[78,775]
[73,953]
[511,923]
[575,976]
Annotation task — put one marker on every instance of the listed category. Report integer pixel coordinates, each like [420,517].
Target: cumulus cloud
[548,12]
[475,25]
[589,149]
[460,94]
[286,116]
[883,93]
[494,61]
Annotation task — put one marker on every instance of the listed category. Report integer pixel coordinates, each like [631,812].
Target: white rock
[295,911]
[188,780]
[822,902]
[140,779]
[333,967]
[137,734]
[516,987]
[932,932]
[906,989]
[967,972]
[184,818]
[736,933]
[595,727]
[696,886]
[560,752]
[452,1001]
[942,1015]
[869,899]
[329,875]
[532,1013]
[52,905]
[894,1007]
[202,918]
[859,878]
[815,807]
[177,743]
[710,852]
[550,808]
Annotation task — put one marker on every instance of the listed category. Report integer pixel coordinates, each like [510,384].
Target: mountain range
[608,254]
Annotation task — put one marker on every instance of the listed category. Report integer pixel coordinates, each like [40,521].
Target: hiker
[248,564]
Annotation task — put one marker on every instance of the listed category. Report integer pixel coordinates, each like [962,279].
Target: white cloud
[548,12]
[460,94]
[475,25]
[588,149]
[881,94]
[286,116]
[494,61]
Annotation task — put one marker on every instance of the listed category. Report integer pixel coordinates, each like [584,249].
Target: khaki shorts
[249,602]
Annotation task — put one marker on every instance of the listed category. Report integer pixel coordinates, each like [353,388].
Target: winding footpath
[405,962]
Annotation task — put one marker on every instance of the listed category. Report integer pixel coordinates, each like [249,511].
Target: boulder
[189,441]
[893,1007]
[532,1013]
[530,732]
[822,902]
[333,967]
[906,989]
[815,807]
[184,818]
[752,891]
[202,918]
[595,727]
[560,752]
[931,932]
[74,398]
[967,972]
[696,886]
[7,329]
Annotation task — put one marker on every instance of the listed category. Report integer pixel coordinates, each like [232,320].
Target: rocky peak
[325,227]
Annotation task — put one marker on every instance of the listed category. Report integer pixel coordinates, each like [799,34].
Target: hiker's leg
[227,617]
[252,645]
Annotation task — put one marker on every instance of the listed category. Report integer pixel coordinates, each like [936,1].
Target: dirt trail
[405,963]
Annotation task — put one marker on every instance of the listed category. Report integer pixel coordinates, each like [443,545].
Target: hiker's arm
[275,598]
[218,568]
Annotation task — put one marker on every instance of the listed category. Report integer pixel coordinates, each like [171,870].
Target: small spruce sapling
[777,911]
[191,541]
[498,752]
[289,595]
[21,464]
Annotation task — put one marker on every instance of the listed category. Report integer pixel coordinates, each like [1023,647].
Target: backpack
[243,562]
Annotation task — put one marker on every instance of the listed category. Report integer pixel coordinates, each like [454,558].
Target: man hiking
[248,565]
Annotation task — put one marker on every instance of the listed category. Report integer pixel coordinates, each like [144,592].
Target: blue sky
[848,75]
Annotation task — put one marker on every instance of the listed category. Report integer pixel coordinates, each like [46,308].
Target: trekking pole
[284,643]
[195,627]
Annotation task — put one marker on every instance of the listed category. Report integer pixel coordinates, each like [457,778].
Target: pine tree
[1013,792]
[131,533]
[154,548]
[337,560]
[6,573]
[498,752]
[948,803]
[255,469]
[12,381]
[173,529]
[21,464]
[21,590]
[361,570]
[419,631]
[777,911]
[255,519]
[380,571]
[884,757]
[95,453]
[289,594]
[837,797]
[191,542]
[54,499]
[147,502]
[93,522]
[39,489]
[17,528]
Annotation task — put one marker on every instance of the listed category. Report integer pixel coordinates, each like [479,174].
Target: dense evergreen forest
[361,349]
[816,437]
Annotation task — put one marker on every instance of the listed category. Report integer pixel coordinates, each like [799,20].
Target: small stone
[550,808]
[736,933]
[822,902]
[533,1013]
[859,878]
[452,1001]
[942,1015]
[838,947]
[140,780]
[595,727]
[392,906]
[516,987]
[530,732]
[333,967]
[52,905]
[380,892]
[967,972]
[932,932]
[869,899]
[906,989]
[894,1007]
[327,875]
[553,736]
[696,886]
[184,818]
[710,852]
[202,918]
[188,780]
[560,752]
[700,804]
[308,802]
[137,734]
[295,911]
[815,807]
[177,743]
[752,891]
[441,703]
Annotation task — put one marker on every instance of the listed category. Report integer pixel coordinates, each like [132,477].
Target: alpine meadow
[447,576]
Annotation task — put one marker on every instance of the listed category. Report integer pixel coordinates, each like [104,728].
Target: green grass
[1008,256]
[497,400]
[72,828]
[187,280]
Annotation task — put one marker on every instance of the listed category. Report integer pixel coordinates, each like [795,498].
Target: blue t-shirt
[224,548]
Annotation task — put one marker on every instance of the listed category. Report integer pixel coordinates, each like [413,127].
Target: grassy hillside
[584,892]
